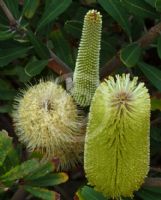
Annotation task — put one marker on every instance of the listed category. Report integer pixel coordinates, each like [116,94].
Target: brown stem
[144,41]
[20,194]
[57,65]
[8,14]
[152,182]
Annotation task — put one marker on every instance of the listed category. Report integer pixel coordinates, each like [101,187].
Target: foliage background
[40,39]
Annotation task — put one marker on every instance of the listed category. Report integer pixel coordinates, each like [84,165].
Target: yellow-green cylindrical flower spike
[86,74]
[46,120]
[117,141]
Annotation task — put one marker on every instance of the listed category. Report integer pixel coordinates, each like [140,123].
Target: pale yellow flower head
[117,139]
[46,119]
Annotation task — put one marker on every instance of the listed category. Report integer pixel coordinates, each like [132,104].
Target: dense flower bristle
[86,74]
[46,119]
[117,139]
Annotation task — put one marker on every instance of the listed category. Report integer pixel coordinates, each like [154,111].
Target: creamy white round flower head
[46,119]
[116,157]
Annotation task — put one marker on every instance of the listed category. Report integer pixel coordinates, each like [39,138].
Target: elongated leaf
[5,145]
[50,180]
[150,2]
[42,170]
[52,11]
[20,171]
[42,193]
[155,103]
[10,54]
[159,46]
[35,67]
[158,5]
[149,193]
[140,8]
[62,48]
[74,28]
[5,35]
[29,8]
[152,73]
[40,49]
[130,54]
[115,9]
[6,94]
[87,193]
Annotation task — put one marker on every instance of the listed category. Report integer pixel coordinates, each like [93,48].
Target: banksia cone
[86,74]
[46,119]
[117,140]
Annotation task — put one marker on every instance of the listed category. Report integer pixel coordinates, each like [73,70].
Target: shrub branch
[144,41]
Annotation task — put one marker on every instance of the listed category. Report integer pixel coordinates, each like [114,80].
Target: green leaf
[42,193]
[155,104]
[50,180]
[155,133]
[148,193]
[35,67]
[52,11]
[87,193]
[39,47]
[5,35]
[5,145]
[42,170]
[74,28]
[130,54]
[10,54]
[158,5]
[140,8]
[20,171]
[152,3]
[6,94]
[115,9]
[159,46]
[30,7]
[62,48]
[152,73]
[5,108]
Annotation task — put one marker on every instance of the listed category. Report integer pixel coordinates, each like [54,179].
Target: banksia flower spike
[86,74]
[117,140]
[46,119]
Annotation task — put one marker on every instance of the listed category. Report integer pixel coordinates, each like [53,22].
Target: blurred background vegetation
[40,38]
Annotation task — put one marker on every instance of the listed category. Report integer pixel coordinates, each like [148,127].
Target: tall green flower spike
[46,119]
[117,141]
[86,74]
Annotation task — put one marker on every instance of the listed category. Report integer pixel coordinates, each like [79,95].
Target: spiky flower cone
[86,74]
[117,140]
[46,119]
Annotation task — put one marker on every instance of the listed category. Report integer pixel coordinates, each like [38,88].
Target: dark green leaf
[62,48]
[87,193]
[5,145]
[5,35]
[130,54]
[10,54]
[35,67]
[42,193]
[20,171]
[52,11]
[74,28]
[5,108]
[39,47]
[158,5]
[30,8]
[159,47]
[50,180]
[115,9]
[140,8]
[42,170]
[156,134]
[152,73]
[7,94]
